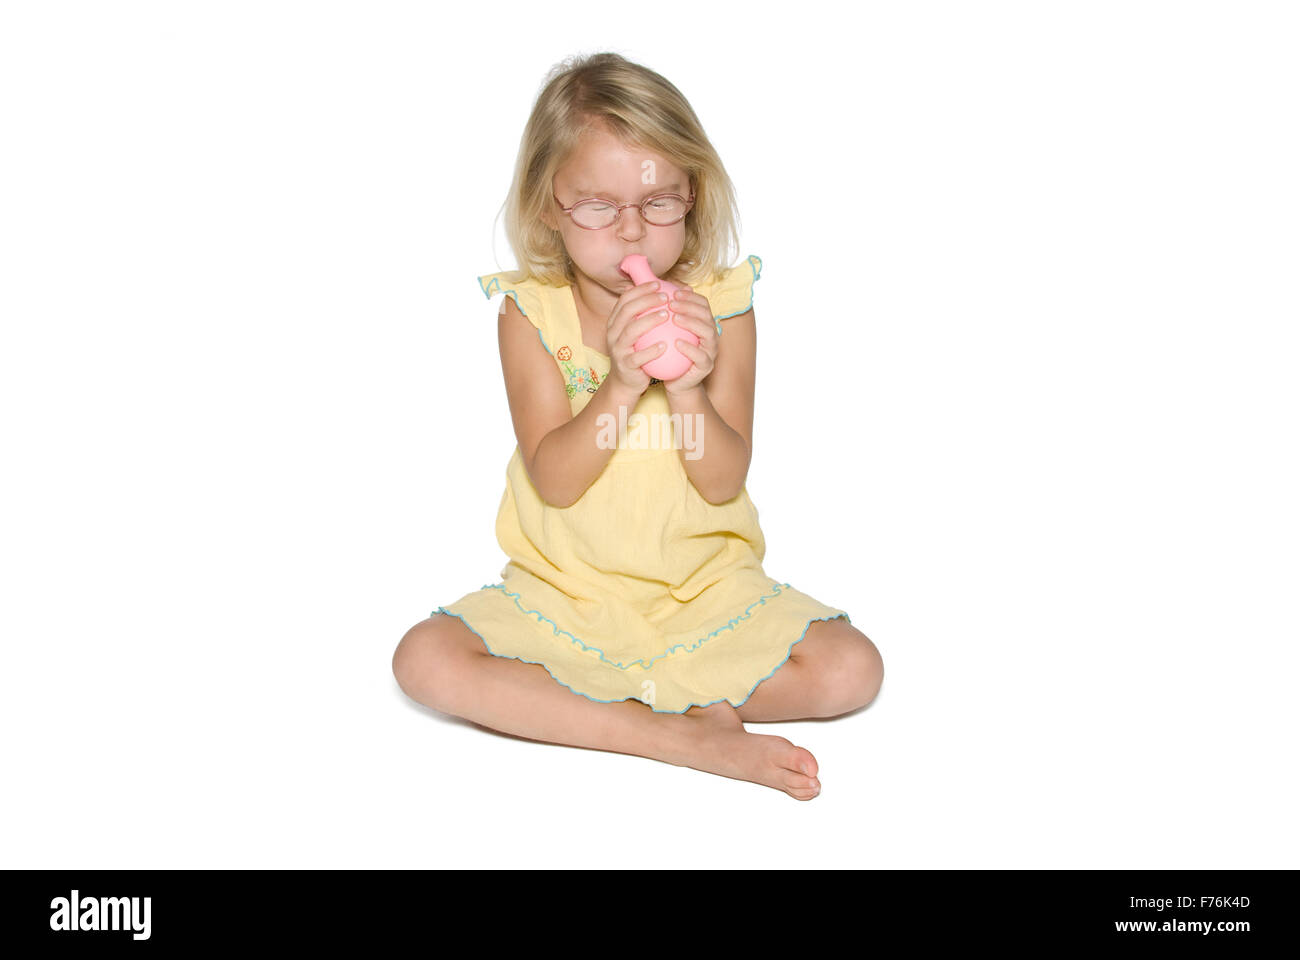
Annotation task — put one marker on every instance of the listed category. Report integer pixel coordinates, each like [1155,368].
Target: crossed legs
[443,664]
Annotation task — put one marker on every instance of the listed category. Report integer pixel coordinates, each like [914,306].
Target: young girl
[634,614]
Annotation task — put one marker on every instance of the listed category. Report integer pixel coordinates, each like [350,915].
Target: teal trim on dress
[756,265]
[788,651]
[491,288]
[645,664]
[495,287]
[555,628]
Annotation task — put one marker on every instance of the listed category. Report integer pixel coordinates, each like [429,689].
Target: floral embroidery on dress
[581,379]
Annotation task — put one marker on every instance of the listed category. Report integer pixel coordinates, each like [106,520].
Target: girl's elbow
[722,495]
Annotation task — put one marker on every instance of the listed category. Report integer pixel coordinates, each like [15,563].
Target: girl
[634,614]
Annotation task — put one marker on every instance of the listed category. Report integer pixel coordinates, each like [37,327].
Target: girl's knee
[426,656]
[874,670]
[855,673]
[410,659]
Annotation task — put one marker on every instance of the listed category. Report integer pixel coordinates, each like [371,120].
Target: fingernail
[663,296]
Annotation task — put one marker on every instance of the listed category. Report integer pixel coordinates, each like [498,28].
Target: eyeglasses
[595,214]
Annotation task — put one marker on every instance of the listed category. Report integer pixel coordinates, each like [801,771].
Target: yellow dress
[641,589]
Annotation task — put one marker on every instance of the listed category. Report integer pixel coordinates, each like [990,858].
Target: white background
[1026,408]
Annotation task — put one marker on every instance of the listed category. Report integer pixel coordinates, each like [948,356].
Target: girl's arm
[724,401]
[559,450]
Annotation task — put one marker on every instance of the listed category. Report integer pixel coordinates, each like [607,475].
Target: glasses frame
[618,209]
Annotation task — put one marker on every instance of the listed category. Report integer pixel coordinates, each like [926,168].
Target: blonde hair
[642,109]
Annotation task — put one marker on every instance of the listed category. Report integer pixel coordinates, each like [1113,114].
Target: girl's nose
[629,225]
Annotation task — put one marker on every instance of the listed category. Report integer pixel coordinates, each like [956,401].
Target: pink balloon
[672,363]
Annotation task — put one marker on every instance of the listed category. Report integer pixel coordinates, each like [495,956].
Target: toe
[802,788]
[796,768]
[802,761]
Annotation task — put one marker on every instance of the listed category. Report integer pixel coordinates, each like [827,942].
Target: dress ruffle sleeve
[526,299]
[733,292]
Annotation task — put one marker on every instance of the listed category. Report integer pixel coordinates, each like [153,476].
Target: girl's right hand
[625,327]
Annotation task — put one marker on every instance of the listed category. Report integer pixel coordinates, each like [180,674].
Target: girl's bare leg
[833,670]
[443,664]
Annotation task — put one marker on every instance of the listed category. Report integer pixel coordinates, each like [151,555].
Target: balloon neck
[636,266]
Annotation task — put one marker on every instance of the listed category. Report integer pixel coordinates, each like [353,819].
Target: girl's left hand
[692,312]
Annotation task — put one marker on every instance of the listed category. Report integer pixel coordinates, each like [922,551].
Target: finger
[649,353]
[697,311]
[684,308]
[644,294]
[641,305]
[652,297]
[641,324]
[699,331]
[692,351]
[692,323]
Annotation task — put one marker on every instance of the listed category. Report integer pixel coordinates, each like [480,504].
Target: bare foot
[715,745]
[722,714]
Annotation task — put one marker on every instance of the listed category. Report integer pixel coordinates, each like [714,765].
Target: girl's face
[602,166]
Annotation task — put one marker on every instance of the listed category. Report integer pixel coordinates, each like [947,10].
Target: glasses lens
[664,210]
[661,211]
[593,213]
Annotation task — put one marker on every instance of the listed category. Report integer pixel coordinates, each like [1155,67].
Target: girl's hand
[625,327]
[693,313]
